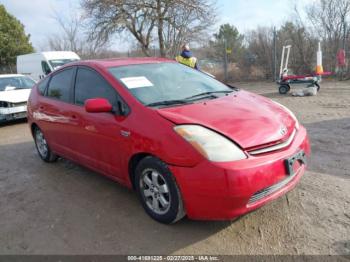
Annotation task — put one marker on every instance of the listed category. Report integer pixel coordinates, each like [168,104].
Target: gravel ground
[63,208]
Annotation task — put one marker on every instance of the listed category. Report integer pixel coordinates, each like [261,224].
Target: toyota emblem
[283,130]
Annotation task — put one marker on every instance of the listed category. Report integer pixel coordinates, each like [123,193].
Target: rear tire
[284,89]
[42,147]
[158,192]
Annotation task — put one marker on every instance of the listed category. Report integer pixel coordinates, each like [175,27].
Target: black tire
[284,89]
[166,214]
[40,142]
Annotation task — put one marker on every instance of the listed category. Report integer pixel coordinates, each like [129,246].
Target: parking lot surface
[63,208]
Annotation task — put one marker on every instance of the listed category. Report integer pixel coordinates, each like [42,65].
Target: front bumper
[12,113]
[218,191]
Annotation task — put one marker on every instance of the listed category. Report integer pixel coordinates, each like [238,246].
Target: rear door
[55,115]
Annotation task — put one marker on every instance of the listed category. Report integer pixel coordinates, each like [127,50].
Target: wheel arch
[133,162]
[32,127]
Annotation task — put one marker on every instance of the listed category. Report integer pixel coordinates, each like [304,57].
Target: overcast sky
[37,15]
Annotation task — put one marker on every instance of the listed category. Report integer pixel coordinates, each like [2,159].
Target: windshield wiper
[188,99]
[209,93]
[168,103]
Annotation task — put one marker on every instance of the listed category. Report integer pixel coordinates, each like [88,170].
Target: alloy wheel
[41,144]
[155,191]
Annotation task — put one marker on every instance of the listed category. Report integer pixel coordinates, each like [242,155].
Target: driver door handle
[125,133]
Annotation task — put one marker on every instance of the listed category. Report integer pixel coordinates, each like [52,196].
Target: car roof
[115,62]
[10,75]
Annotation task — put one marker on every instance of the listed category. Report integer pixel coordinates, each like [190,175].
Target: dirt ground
[63,208]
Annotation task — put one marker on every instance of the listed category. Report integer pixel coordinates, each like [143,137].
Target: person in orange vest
[187,58]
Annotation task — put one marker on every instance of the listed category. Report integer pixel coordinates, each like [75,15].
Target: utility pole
[274,54]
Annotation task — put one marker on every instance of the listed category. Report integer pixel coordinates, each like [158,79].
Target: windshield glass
[57,63]
[153,83]
[16,82]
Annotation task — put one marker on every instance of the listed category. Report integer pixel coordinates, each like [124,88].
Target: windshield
[15,82]
[57,63]
[154,83]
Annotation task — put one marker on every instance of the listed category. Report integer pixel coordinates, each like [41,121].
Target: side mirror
[98,105]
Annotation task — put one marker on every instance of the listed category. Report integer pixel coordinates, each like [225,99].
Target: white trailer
[38,65]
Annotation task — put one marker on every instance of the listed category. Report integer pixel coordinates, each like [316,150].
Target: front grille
[269,190]
[274,147]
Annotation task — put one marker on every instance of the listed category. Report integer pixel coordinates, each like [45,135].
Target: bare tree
[260,46]
[186,22]
[168,21]
[108,17]
[69,38]
[330,19]
[72,37]
[304,46]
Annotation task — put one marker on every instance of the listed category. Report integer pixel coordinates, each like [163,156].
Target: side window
[60,85]
[45,67]
[42,86]
[89,84]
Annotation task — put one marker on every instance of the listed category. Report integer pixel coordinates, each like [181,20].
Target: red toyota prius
[185,142]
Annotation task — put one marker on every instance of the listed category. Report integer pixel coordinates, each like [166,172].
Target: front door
[97,139]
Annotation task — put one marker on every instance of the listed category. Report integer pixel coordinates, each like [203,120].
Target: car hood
[15,96]
[246,118]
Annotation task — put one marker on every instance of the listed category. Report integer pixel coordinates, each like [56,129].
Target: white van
[38,65]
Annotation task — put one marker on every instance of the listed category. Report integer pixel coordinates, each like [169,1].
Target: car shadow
[71,208]
[12,122]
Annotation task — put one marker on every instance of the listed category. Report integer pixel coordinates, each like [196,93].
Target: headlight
[210,144]
[290,113]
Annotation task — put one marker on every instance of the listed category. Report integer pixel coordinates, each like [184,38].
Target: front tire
[158,191]
[42,147]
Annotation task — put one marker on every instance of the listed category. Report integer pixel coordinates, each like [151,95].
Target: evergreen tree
[13,39]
